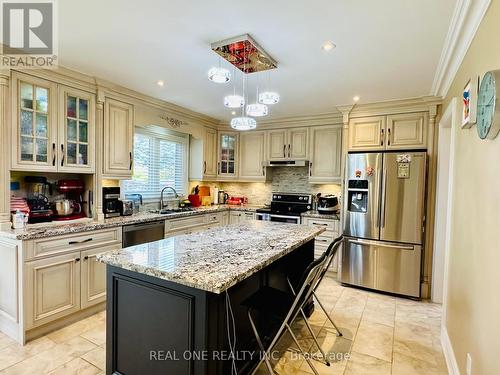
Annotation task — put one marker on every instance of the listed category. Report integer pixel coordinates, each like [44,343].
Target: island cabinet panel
[146,315]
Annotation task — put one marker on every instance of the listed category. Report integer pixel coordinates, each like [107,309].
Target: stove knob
[279,196]
[300,198]
[308,207]
[275,196]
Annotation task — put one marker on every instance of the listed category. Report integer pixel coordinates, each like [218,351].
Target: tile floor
[382,335]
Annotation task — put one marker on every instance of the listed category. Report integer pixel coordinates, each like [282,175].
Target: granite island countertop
[214,259]
[43,230]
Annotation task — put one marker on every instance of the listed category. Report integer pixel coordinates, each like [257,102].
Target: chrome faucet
[162,205]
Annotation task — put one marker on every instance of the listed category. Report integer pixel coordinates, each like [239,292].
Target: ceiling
[383,52]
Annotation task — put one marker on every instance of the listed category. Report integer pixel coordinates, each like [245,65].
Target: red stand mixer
[71,207]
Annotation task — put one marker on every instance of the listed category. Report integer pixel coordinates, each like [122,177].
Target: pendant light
[218,74]
[234,101]
[257,109]
[269,97]
[243,122]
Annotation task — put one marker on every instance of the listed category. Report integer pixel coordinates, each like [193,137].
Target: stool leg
[314,337]
[339,334]
[301,350]
[256,333]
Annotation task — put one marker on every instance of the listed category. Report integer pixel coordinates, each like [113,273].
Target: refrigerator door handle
[382,208]
[381,244]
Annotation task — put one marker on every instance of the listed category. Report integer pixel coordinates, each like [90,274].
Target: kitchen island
[168,300]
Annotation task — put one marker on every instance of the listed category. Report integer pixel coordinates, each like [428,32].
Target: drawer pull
[86,257]
[77,259]
[318,239]
[77,242]
[325,225]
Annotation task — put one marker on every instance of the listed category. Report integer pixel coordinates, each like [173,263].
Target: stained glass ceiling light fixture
[219,75]
[243,123]
[269,97]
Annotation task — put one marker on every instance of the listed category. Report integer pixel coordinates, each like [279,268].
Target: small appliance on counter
[37,190]
[111,201]
[223,197]
[136,200]
[329,204]
[126,207]
[237,200]
[71,206]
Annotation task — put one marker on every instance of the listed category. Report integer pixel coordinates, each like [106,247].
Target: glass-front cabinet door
[35,132]
[76,131]
[227,163]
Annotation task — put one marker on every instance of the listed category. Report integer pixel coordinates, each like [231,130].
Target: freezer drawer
[384,266]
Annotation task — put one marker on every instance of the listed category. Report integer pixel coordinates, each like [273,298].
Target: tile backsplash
[282,179]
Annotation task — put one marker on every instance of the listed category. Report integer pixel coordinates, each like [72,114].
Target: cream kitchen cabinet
[93,277]
[203,158]
[325,155]
[118,139]
[53,288]
[321,243]
[287,144]
[252,156]
[393,132]
[227,164]
[54,126]
[240,216]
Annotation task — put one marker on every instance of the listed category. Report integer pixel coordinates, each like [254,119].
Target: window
[160,159]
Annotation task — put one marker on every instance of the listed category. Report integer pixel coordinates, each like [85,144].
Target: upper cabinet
[227,164]
[393,132]
[118,139]
[326,154]
[51,132]
[284,144]
[252,156]
[76,131]
[203,158]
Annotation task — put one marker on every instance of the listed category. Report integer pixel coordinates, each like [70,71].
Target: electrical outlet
[469,364]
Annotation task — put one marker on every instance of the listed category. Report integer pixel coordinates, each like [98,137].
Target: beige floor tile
[404,365]
[5,341]
[413,332]
[378,316]
[76,366]
[97,357]
[16,353]
[416,350]
[77,328]
[361,364]
[96,335]
[375,340]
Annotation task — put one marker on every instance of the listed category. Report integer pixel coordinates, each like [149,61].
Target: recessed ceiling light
[160,83]
[328,46]
[356,98]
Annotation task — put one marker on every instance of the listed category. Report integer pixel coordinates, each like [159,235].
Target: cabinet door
[118,138]
[277,144]
[367,133]
[235,217]
[52,288]
[228,160]
[297,144]
[248,216]
[34,119]
[326,154]
[252,151]
[76,131]
[406,131]
[93,277]
[210,154]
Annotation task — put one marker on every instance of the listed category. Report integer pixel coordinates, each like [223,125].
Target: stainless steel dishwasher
[136,234]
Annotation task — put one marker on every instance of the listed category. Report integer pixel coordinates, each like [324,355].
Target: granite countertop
[84,225]
[318,215]
[214,259]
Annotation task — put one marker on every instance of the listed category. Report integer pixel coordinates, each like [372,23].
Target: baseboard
[449,354]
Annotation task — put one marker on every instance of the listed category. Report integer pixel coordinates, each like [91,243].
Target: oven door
[285,218]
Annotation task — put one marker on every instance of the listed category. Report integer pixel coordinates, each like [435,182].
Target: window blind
[160,159]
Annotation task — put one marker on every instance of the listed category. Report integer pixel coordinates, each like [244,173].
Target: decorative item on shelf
[173,122]
[219,75]
[257,110]
[469,112]
[488,110]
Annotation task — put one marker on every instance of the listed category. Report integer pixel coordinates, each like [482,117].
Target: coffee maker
[70,207]
[37,190]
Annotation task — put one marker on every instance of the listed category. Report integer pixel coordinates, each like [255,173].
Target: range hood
[287,163]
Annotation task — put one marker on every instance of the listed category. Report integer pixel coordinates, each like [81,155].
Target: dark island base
[160,327]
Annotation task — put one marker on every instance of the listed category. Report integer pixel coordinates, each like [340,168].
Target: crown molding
[331,118]
[420,104]
[465,21]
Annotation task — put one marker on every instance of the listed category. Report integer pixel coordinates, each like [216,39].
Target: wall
[473,304]
[283,179]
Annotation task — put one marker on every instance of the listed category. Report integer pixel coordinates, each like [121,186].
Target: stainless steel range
[286,207]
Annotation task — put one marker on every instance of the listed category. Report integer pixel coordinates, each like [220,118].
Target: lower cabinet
[322,242]
[240,216]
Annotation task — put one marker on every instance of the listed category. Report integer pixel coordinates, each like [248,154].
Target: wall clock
[488,110]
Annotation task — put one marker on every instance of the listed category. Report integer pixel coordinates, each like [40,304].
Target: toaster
[126,207]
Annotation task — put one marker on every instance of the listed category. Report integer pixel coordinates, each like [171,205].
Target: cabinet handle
[325,225]
[218,167]
[382,137]
[284,151]
[310,169]
[321,240]
[62,159]
[77,242]
[389,137]
[77,259]
[86,257]
[289,150]
[204,167]
[53,154]
[263,170]
[130,166]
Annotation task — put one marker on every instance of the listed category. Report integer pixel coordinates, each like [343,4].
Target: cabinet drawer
[44,247]
[184,223]
[213,218]
[331,225]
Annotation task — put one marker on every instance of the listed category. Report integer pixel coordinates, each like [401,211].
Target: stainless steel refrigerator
[384,213]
